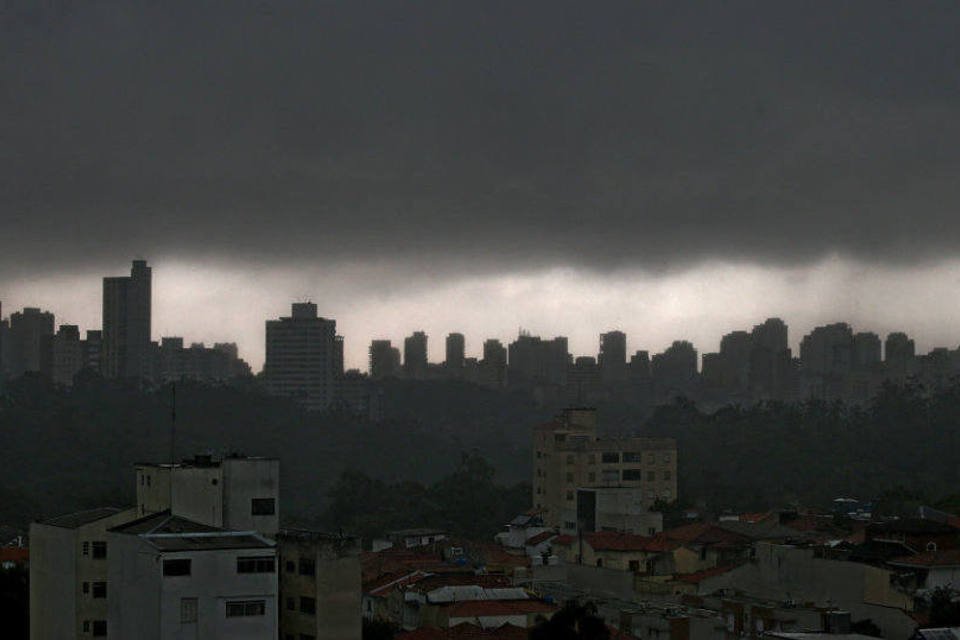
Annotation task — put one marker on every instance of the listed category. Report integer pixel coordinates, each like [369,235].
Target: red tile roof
[699,576]
[466,631]
[944,558]
[388,583]
[705,533]
[615,541]
[488,608]
[19,555]
[485,580]
[564,540]
[543,536]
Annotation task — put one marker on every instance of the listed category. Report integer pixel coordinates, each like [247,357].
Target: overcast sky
[677,169]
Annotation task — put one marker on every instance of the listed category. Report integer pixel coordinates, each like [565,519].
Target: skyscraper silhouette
[126,350]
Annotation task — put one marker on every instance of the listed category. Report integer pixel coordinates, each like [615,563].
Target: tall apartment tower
[29,332]
[456,349]
[4,343]
[126,348]
[415,355]
[63,355]
[384,359]
[302,357]
[613,357]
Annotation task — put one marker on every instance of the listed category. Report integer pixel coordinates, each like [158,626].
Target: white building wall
[245,479]
[149,605]
[53,582]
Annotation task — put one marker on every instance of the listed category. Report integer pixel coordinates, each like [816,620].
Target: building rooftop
[201,461]
[423,531]
[466,631]
[172,533]
[930,559]
[81,518]
[496,608]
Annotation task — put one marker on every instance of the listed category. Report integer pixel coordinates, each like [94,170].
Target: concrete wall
[149,605]
[336,587]
[53,583]
[243,480]
[153,488]
[784,573]
[198,495]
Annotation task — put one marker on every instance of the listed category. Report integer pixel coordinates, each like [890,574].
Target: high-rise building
[613,357]
[63,355]
[675,370]
[415,355]
[866,351]
[493,367]
[456,352]
[29,332]
[4,343]
[771,362]
[126,348]
[534,361]
[384,359]
[899,355]
[827,350]
[92,349]
[302,357]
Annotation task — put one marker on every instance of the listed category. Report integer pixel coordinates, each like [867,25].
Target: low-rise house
[184,579]
[932,569]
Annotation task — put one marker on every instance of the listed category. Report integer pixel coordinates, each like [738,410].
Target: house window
[666,458]
[291,566]
[86,548]
[188,610]
[569,495]
[569,477]
[291,604]
[634,565]
[632,475]
[178,567]
[592,477]
[99,589]
[86,587]
[258,564]
[651,476]
[569,525]
[632,456]
[610,457]
[263,506]
[308,605]
[99,549]
[148,481]
[611,475]
[666,475]
[308,567]
[246,608]
[307,636]
[99,628]
[599,562]
[86,626]
[592,459]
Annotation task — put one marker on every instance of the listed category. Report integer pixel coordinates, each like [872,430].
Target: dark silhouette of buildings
[198,362]
[415,356]
[899,356]
[455,354]
[28,334]
[493,367]
[612,358]
[675,370]
[63,355]
[302,357]
[534,361]
[384,360]
[126,350]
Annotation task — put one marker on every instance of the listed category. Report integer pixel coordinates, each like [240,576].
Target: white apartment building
[69,583]
[184,580]
[236,492]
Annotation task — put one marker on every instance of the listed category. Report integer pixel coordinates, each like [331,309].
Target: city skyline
[190,312]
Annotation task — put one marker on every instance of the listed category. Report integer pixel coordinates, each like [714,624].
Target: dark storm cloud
[601,134]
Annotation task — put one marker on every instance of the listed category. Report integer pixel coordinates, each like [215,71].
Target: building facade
[569,455]
[303,357]
[126,350]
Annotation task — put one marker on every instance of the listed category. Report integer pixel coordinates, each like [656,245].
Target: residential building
[415,356]
[384,360]
[92,350]
[456,349]
[184,579]
[198,362]
[899,356]
[69,583]
[569,455]
[28,334]
[63,355]
[303,357]
[675,370]
[320,588]
[237,493]
[620,509]
[534,361]
[493,366]
[4,343]
[126,347]
[612,358]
